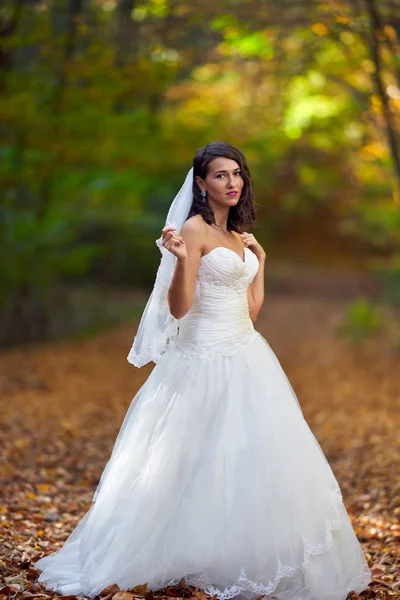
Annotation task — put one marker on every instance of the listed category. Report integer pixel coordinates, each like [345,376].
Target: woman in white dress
[215,476]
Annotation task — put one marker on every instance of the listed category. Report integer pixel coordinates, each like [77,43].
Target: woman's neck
[221,219]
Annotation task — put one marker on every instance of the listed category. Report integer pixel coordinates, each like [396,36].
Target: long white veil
[157,327]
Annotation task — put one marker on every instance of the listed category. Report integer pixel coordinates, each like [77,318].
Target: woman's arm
[255,292]
[188,248]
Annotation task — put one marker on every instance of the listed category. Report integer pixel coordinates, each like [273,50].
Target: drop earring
[203,195]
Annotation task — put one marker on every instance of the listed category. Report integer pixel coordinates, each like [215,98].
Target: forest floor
[62,404]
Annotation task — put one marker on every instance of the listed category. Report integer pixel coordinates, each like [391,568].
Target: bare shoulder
[194,225]
[194,231]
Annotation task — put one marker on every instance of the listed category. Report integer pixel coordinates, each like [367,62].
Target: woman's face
[223,179]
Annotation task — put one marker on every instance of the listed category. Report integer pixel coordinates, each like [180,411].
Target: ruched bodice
[218,320]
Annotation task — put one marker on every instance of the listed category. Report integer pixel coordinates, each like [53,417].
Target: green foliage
[240,42]
[361,320]
[103,109]
[388,272]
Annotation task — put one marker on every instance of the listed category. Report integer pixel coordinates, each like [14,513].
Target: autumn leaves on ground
[63,403]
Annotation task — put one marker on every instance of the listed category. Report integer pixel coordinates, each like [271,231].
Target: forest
[103,104]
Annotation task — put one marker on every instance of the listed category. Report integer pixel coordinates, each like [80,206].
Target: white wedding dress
[215,475]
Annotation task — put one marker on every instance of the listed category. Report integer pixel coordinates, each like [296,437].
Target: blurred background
[105,102]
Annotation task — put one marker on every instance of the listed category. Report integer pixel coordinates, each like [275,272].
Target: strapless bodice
[218,321]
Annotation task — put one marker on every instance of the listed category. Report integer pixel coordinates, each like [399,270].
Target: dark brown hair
[243,215]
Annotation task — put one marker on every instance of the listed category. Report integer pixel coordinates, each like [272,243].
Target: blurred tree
[105,101]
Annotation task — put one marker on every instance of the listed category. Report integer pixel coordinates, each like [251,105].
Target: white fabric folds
[157,327]
[215,475]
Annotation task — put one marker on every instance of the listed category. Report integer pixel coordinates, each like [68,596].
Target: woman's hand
[250,241]
[172,241]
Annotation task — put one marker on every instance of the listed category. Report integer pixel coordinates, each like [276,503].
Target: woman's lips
[232,194]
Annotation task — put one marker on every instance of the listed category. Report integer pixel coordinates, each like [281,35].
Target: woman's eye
[223,174]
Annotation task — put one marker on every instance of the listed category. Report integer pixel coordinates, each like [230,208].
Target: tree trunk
[125,33]
[391,133]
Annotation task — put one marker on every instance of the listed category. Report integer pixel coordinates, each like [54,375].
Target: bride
[215,476]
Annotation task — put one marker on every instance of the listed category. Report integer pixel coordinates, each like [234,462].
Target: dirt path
[62,406]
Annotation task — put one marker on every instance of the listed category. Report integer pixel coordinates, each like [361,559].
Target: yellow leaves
[376,104]
[348,38]
[154,8]
[200,595]
[343,19]
[210,94]
[122,596]
[390,33]
[205,73]
[368,65]
[291,44]
[66,424]
[43,487]
[373,150]
[21,443]
[320,29]
[387,33]
[85,482]
[140,589]
[335,383]
[107,5]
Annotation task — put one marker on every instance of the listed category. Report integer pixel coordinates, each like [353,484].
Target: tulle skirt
[215,476]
